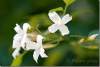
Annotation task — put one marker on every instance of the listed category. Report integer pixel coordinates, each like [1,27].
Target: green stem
[65,9]
[76,36]
[38,29]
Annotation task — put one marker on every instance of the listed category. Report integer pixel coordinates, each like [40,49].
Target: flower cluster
[21,39]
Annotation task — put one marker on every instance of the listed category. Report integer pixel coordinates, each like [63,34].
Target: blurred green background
[68,52]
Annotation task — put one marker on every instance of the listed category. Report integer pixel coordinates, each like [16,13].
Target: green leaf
[18,60]
[68,2]
[57,9]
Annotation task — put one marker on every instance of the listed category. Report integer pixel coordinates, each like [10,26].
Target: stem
[38,29]
[65,9]
[76,36]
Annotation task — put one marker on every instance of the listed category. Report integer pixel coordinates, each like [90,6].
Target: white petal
[26,26]
[36,55]
[53,28]
[39,39]
[16,53]
[54,17]
[18,28]
[31,45]
[64,30]
[17,40]
[42,54]
[24,39]
[66,18]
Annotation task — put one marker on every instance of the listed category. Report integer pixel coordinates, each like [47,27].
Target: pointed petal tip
[14,56]
[36,60]
[35,56]
[16,24]
[45,56]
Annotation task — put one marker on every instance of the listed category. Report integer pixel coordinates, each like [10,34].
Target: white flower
[59,23]
[37,47]
[20,38]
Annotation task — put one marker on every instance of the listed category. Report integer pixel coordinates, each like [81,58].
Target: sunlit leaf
[18,60]
[57,9]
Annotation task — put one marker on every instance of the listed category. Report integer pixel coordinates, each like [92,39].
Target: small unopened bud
[81,40]
[92,37]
